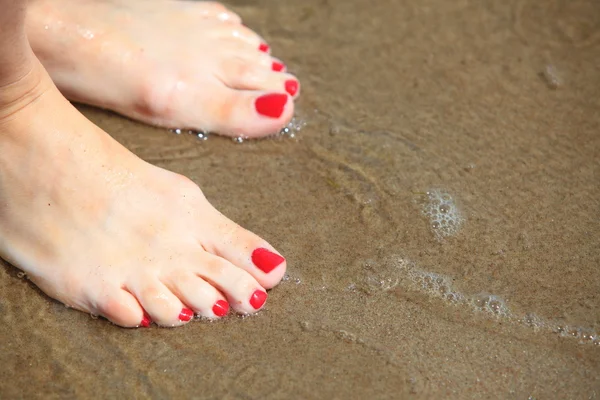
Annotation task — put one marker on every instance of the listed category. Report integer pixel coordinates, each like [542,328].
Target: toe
[245,113]
[240,74]
[198,294]
[247,251]
[122,308]
[243,292]
[277,65]
[241,33]
[240,61]
[162,306]
[209,9]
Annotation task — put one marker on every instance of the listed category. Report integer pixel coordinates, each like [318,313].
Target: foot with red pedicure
[78,215]
[126,55]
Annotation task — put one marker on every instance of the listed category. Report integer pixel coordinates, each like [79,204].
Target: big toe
[248,113]
[247,251]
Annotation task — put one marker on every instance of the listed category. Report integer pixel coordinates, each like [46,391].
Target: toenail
[220,308]
[277,66]
[264,47]
[271,105]
[291,86]
[266,260]
[146,321]
[186,314]
[258,299]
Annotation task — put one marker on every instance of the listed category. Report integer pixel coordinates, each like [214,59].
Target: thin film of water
[295,125]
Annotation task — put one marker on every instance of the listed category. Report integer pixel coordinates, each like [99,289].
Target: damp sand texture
[399,99]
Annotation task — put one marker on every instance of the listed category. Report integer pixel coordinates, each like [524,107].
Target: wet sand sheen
[410,97]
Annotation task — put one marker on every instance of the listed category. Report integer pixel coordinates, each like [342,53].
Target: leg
[179,64]
[16,58]
[78,213]
[13,38]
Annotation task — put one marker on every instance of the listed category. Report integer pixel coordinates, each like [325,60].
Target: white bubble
[293,127]
[551,77]
[444,217]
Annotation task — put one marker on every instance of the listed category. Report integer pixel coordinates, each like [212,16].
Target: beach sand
[492,105]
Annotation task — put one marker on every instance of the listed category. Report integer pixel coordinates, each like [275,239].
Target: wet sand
[495,103]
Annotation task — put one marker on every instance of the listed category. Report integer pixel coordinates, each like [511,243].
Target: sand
[495,104]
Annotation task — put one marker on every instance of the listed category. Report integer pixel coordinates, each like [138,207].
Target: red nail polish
[186,314]
[266,260]
[291,86]
[277,66]
[220,308]
[257,299]
[271,105]
[146,321]
[264,47]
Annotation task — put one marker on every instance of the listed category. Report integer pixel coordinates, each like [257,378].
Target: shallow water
[495,104]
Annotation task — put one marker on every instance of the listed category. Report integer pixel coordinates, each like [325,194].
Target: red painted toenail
[258,299]
[220,308]
[186,314]
[277,66]
[271,105]
[291,86]
[266,260]
[264,47]
[146,321]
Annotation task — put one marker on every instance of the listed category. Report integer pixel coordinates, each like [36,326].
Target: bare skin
[99,229]
[178,64]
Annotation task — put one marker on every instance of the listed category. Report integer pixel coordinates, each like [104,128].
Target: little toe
[121,308]
[198,294]
[243,292]
[162,306]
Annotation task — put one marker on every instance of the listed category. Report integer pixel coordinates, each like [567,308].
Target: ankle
[24,89]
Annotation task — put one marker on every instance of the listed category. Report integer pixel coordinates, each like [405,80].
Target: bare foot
[178,64]
[106,233]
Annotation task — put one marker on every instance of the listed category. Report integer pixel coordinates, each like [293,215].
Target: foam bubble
[375,283]
[346,336]
[436,285]
[287,278]
[551,77]
[492,304]
[202,135]
[306,326]
[533,321]
[445,218]
[409,273]
[294,126]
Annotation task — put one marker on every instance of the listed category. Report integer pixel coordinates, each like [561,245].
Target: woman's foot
[177,64]
[104,232]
